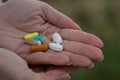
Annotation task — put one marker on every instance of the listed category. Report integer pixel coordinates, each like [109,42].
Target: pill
[57,38]
[37,38]
[39,42]
[36,48]
[45,40]
[30,35]
[56,47]
[32,42]
[49,36]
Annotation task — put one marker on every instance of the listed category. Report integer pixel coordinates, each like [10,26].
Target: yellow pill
[30,35]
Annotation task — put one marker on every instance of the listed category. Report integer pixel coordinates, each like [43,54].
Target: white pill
[56,47]
[57,38]
[39,42]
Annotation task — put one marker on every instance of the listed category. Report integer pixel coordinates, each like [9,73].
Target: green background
[102,18]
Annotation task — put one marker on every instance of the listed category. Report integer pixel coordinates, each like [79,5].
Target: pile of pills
[43,42]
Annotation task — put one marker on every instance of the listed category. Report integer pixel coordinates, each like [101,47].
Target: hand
[19,17]
[12,67]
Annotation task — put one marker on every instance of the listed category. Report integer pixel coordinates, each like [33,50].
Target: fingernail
[101,59]
[78,27]
[64,77]
[90,67]
[70,63]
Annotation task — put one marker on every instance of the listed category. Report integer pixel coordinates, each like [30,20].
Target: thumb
[12,67]
[58,19]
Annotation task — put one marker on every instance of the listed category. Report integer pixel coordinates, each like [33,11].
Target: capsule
[37,48]
[30,35]
[49,36]
[39,42]
[56,47]
[45,40]
[32,42]
[57,38]
[37,38]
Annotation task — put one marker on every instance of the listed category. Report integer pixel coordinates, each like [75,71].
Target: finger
[79,60]
[42,57]
[53,73]
[77,35]
[47,58]
[76,60]
[58,19]
[57,74]
[83,49]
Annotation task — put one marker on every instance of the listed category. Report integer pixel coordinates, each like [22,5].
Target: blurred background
[102,18]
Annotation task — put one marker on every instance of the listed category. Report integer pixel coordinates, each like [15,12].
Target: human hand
[24,16]
[37,16]
[12,67]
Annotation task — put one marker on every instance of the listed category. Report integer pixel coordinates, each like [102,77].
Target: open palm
[19,17]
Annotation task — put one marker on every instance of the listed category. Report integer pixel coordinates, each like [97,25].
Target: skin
[19,17]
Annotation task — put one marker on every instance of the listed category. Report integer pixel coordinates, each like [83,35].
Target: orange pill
[36,48]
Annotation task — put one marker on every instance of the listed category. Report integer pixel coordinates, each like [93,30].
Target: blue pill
[37,38]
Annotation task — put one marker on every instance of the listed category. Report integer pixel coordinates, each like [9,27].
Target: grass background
[102,18]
